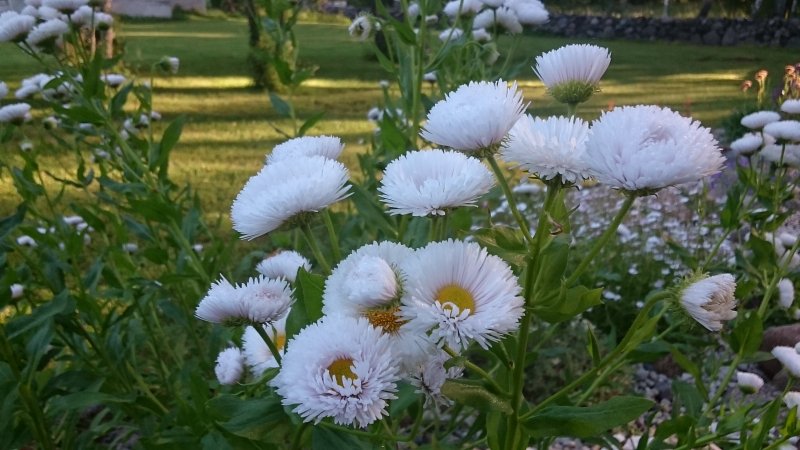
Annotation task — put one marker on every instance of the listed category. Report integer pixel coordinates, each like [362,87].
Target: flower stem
[603,240]
[312,244]
[272,348]
[512,204]
[475,368]
[332,237]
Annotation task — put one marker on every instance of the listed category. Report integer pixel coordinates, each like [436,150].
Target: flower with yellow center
[256,353]
[339,367]
[459,293]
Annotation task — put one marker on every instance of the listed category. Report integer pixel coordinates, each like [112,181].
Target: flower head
[284,264]
[15,113]
[749,383]
[790,359]
[530,12]
[787,130]
[170,64]
[339,367]
[257,354]
[792,399]
[429,182]
[710,300]
[362,26]
[572,73]
[456,8]
[450,34]
[757,120]
[265,300]
[86,17]
[47,33]
[649,148]
[476,116]
[221,304]
[328,146]
[17,290]
[791,106]
[549,147]
[508,19]
[786,154]
[285,189]
[430,375]
[15,27]
[230,366]
[113,79]
[458,293]
[747,144]
[785,293]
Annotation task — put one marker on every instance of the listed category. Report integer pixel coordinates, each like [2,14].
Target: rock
[712,38]
[730,37]
[786,335]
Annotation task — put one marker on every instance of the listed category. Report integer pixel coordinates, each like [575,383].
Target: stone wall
[773,32]
[155,8]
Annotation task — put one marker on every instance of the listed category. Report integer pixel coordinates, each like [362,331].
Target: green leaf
[8,223]
[310,122]
[586,421]
[747,335]
[371,210]
[691,368]
[169,139]
[566,304]
[688,397]
[475,396]
[592,346]
[252,418]
[764,256]
[59,304]
[281,106]
[308,308]
[83,400]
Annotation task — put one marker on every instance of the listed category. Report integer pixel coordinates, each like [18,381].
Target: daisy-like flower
[787,130]
[221,304]
[429,182]
[284,264]
[15,113]
[328,146]
[17,290]
[757,120]
[113,79]
[749,383]
[787,154]
[785,293]
[86,17]
[339,367]
[458,293]
[747,144]
[430,77]
[476,116]
[791,106]
[3,90]
[790,359]
[265,300]
[507,18]
[430,375]
[549,147]
[32,85]
[230,366]
[450,34]
[362,26]
[481,35]
[530,12]
[413,12]
[66,6]
[47,33]
[710,300]
[27,241]
[256,353]
[572,73]
[15,27]
[649,148]
[792,399]
[285,189]
[484,19]
[456,8]
[44,13]
[170,64]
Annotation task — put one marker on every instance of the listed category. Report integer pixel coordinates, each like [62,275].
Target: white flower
[788,130]
[16,113]
[455,8]
[362,26]
[73,220]
[792,399]
[481,35]
[65,5]
[221,304]
[430,375]
[230,366]
[790,359]
[29,11]
[787,239]
[549,147]
[791,106]
[86,17]
[26,241]
[785,293]
[530,12]
[3,90]
[431,19]
[430,77]
[328,146]
[450,34]
[572,73]
[14,27]
[747,144]
[788,154]
[749,383]
[757,120]
[170,64]
[341,368]
[48,13]
[413,12]
[256,353]
[17,290]
[649,148]
[429,182]
[710,300]
[493,3]
[475,116]
[32,85]
[113,79]
[51,122]
[47,32]
[264,300]
[507,18]
[197,248]
[284,264]
[26,146]
[458,292]
[484,19]
[284,189]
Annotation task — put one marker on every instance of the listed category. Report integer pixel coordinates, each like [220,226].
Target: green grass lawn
[230,125]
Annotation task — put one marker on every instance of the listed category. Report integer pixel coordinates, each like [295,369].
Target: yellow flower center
[388,318]
[453,294]
[340,369]
[280,341]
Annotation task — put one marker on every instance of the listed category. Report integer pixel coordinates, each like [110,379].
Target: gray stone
[730,37]
[712,38]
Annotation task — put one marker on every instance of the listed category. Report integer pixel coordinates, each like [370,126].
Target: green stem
[272,348]
[512,204]
[312,244]
[602,240]
[478,370]
[298,437]
[572,109]
[332,237]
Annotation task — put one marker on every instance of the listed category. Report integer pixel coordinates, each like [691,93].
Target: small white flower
[73,220]
[787,154]
[65,5]
[16,113]
[130,247]
[362,26]
[171,64]
[747,144]
[790,359]
[413,12]
[221,304]
[15,27]
[485,19]
[26,241]
[481,35]
[430,375]
[47,32]
[450,34]
[456,8]
[48,13]
[51,122]
[32,85]
[430,77]
[29,11]
[791,106]
[649,148]
[284,189]
[787,239]
[749,383]
[710,300]
[230,366]
[197,248]
[476,116]
[530,12]
[3,90]
[17,290]
[788,130]
[86,17]
[458,293]
[429,182]
[341,368]
[572,73]
[785,293]
[549,147]
[431,19]
[256,353]
[26,146]
[757,120]
[113,79]
[507,18]
[384,84]
[264,300]
[284,264]
[792,399]
[328,146]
